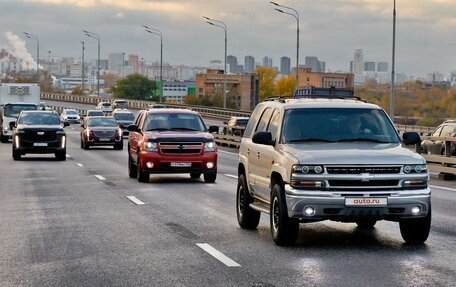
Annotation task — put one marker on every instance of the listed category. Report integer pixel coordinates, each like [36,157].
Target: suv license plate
[40,144]
[367,201]
[181,164]
[104,140]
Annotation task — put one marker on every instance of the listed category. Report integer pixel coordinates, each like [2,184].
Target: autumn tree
[77,91]
[285,86]
[110,79]
[135,86]
[266,76]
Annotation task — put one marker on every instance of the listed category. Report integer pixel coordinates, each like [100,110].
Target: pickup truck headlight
[150,146]
[209,146]
[415,168]
[307,169]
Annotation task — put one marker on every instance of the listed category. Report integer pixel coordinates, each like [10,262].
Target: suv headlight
[415,168]
[150,146]
[308,169]
[210,146]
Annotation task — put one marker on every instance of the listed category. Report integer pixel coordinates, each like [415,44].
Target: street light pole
[223,26]
[296,15]
[392,64]
[96,36]
[158,33]
[123,64]
[82,68]
[49,64]
[35,37]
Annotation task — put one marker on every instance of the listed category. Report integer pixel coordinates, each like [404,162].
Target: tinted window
[274,124]
[106,104]
[95,113]
[335,125]
[264,120]
[124,116]
[71,112]
[39,119]
[101,122]
[174,121]
[242,122]
[13,110]
[252,121]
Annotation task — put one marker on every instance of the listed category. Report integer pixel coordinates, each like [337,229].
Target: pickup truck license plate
[367,201]
[40,144]
[181,164]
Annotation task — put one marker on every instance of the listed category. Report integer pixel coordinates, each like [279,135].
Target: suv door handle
[258,154]
[248,151]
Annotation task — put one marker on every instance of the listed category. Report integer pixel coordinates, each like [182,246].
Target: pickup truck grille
[359,183]
[180,147]
[35,136]
[363,169]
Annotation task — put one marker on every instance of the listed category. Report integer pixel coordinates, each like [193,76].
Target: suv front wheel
[416,231]
[248,218]
[143,176]
[284,230]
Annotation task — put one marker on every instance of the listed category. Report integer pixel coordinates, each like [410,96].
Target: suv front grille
[363,169]
[39,136]
[359,183]
[104,134]
[180,147]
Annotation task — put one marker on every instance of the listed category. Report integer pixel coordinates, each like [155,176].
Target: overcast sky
[329,29]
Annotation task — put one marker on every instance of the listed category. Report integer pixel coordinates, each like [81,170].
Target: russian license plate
[367,201]
[104,139]
[40,144]
[181,164]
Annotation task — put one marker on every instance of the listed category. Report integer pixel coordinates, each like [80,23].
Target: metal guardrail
[445,164]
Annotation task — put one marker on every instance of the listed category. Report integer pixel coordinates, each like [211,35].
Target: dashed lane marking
[231,175]
[79,164]
[99,177]
[441,187]
[218,255]
[135,200]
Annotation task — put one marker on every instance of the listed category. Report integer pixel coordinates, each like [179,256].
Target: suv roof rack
[326,93]
[279,99]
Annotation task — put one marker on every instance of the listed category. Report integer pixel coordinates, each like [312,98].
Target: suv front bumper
[332,205]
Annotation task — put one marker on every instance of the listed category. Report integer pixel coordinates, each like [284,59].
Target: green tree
[266,76]
[134,86]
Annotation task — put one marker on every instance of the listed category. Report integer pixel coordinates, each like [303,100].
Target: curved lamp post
[96,36]
[158,33]
[295,14]
[223,26]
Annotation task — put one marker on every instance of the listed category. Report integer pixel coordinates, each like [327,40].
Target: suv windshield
[71,112]
[13,110]
[174,121]
[338,125]
[95,113]
[241,122]
[124,116]
[102,122]
[39,119]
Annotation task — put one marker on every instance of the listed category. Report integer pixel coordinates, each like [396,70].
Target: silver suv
[341,159]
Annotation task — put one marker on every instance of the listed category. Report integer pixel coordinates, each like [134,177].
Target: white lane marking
[79,164]
[99,177]
[230,175]
[218,255]
[441,187]
[228,152]
[68,155]
[135,200]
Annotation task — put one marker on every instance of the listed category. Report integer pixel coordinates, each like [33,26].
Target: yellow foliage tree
[266,76]
[285,86]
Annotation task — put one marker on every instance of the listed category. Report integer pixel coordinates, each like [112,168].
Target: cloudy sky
[329,29]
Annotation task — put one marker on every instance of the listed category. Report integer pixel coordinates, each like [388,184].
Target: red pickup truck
[171,141]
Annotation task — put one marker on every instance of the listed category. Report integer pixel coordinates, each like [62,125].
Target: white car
[71,116]
[105,107]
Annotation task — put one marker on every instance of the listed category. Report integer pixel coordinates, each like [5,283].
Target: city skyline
[423,45]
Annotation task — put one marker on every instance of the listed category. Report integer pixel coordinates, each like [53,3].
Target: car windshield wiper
[158,129]
[183,129]
[362,140]
[310,140]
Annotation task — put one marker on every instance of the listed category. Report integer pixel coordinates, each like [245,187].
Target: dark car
[39,132]
[235,126]
[124,118]
[432,146]
[101,131]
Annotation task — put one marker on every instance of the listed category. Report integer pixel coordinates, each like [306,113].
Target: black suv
[39,132]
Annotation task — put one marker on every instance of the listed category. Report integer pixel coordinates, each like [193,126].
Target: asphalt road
[80,222]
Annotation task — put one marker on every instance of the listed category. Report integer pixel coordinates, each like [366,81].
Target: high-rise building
[249,64]
[267,62]
[115,62]
[133,62]
[285,65]
[315,65]
[232,64]
[382,67]
[358,62]
[369,66]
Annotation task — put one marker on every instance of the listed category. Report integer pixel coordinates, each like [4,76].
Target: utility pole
[392,65]
[82,68]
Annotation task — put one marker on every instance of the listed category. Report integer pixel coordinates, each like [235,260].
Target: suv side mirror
[213,129]
[66,124]
[12,125]
[133,128]
[411,138]
[263,138]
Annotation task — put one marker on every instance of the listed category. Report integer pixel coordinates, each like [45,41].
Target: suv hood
[352,153]
[39,127]
[179,136]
